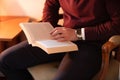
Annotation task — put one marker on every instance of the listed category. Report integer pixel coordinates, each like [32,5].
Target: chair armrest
[115,39]
[111,44]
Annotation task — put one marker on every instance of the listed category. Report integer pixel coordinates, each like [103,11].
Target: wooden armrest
[112,43]
[115,39]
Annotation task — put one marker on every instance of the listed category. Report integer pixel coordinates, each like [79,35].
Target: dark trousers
[80,65]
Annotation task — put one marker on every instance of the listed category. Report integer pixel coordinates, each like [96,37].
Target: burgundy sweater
[99,18]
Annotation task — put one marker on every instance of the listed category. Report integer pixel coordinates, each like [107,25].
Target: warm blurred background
[31,8]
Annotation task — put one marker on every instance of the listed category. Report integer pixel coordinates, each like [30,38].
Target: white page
[54,43]
[38,31]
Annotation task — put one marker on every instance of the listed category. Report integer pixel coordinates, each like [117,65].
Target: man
[88,23]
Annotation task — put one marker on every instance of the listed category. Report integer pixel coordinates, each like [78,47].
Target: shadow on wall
[31,8]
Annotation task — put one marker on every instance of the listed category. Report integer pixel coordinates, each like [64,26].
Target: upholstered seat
[44,71]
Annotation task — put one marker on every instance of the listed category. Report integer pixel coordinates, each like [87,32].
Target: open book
[38,34]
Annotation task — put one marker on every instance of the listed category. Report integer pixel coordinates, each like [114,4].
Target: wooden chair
[110,60]
[109,68]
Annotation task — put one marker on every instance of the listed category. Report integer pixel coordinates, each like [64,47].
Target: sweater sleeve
[111,27]
[50,12]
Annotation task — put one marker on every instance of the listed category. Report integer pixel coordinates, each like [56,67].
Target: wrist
[78,34]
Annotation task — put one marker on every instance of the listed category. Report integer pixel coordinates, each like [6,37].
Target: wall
[32,8]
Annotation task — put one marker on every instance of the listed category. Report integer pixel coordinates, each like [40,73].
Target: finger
[58,36]
[53,31]
[61,39]
[57,28]
[63,28]
[57,32]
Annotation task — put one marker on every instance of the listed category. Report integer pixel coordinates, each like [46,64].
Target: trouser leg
[15,60]
[82,65]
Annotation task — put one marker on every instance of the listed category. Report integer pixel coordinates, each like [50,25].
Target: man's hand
[63,34]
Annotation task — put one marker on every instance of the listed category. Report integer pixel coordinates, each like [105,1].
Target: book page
[37,31]
[53,46]
[54,43]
